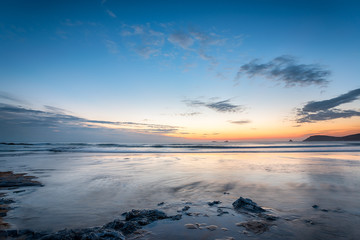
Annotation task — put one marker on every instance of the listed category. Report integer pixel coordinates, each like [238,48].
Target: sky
[175,71]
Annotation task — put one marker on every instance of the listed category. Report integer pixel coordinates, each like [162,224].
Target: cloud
[326,115]
[240,122]
[71,23]
[207,39]
[55,117]
[8,97]
[288,70]
[146,51]
[333,102]
[110,13]
[111,46]
[326,110]
[143,40]
[219,106]
[55,109]
[189,114]
[181,39]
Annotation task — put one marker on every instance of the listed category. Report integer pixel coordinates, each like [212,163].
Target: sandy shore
[131,223]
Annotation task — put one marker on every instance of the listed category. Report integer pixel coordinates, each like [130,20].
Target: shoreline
[132,222]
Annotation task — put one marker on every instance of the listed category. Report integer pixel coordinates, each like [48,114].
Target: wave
[9,148]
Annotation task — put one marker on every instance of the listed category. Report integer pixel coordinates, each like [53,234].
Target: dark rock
[160,204]
[130,227]
[226,193]
[185,208]
[213,203]
[221,212]
[315,206]
[12,233]
[26,232]
[309,222]
[10,179]
[85,234]
[117,224]
[151,215]
[6,201]
[255,226]
[176,217]
[247,204]
[3,234]
[269,217]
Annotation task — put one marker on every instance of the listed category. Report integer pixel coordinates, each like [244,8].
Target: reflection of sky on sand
[91,189]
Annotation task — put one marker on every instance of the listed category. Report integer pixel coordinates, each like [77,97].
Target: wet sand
[312,196]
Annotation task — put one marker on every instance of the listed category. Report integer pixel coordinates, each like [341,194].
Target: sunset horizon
[179,120]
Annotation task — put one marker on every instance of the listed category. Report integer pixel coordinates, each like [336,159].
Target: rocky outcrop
[248,205]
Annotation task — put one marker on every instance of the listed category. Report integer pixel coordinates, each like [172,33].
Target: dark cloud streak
[13,115]
[315,111]
[333,102]
[220,106]
[286,69]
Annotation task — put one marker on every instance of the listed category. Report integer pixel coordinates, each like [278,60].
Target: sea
[313,188]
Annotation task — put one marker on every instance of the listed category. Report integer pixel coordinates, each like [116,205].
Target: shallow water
[83,189]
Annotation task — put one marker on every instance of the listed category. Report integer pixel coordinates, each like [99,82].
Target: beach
[308,192]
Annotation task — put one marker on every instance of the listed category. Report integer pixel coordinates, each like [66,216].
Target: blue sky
[195,69]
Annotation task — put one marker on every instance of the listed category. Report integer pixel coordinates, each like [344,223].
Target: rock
[3,234]
[190,226]
[247,204]
[315,206]
[224,229]
[221,212]
[14,180]
[212,227]
[4,201]
[255,226]
[268,217]
[185,208]
[150,215]
[176,217]
[309,222]
[85,234]
[160,204]
[213,203]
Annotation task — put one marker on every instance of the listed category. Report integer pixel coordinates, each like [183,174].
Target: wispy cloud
[111,46]
[190,114]
[333,102]
[286,69]
[143,40]
[326,115]
[326,110]
[181,39]
[56,117]
[110,13]
[70,23]
[240,122]
[146,51]
[9,97]
[220,106]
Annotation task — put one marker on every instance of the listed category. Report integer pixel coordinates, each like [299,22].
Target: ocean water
[91,184]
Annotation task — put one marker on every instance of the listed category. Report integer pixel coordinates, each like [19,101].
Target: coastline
[85,190]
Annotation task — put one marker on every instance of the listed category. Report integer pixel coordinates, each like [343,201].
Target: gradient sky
[153,71]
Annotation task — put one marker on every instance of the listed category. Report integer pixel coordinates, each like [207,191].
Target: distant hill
[354,137]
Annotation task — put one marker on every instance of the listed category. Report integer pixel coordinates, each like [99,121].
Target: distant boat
[354,137]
